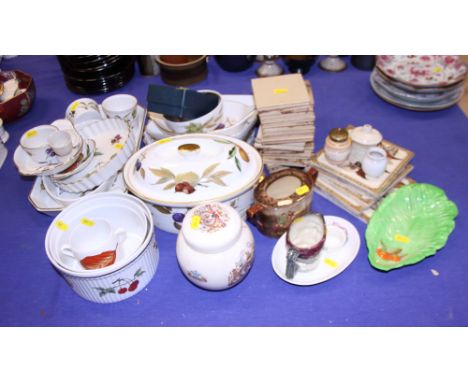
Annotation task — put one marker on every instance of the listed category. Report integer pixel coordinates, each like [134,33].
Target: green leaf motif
[209,169]
[189,177]
[163,180]
[232,152]
[169,186]
[224,142]
[238,164]
[142,172]
[217,180]
[162,172]
[97,153]
[163,210]
[194,128]
[138,273]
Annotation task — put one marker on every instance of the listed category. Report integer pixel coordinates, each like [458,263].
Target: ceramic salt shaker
[215,247]
[337,146]
[375,162]
[363,138]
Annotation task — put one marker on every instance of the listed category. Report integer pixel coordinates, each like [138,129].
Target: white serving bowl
[137,256]
[206,123]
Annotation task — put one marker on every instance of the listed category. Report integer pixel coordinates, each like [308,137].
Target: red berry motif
[185,187]
[133,285]
[122,290]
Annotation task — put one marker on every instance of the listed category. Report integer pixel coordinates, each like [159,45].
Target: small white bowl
[139,253]
[120,106]
[205,123]
[83,110]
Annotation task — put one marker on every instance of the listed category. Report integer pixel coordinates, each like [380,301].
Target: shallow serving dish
[178,173]
[137,256]
[409,225]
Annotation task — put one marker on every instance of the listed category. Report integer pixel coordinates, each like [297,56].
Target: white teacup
[337,236]
[34,142]
[60,142]
[83,110]
[120,106]
[91,238]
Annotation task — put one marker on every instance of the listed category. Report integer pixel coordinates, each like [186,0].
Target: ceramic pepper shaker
[337,146]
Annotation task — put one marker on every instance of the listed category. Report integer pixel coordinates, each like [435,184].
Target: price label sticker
[298,220]
[304,189]
[195,222]
[280,91]
[165,140]
[74,105]
[119,146]
[87,222]
[330,262]
[402,238]
[437,69]
[31,133]
[61,225]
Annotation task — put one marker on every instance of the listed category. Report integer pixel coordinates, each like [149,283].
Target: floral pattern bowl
[409,225]
[20,104]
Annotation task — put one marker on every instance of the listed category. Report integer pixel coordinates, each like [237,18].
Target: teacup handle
[68,251]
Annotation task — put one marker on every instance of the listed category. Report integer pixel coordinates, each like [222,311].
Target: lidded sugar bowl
[215,247]
[280,198]
[363,137]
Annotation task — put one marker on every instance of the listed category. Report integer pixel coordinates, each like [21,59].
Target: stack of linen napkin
[285,106]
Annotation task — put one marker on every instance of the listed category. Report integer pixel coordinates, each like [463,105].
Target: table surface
[32,293]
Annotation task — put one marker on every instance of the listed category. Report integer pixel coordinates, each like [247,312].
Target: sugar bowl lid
[190,169]
[366,135]
[211,227]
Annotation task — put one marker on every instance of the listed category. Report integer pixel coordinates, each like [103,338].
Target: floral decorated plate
[331,262]
[409,225]
[53,164]
[189,169]
[423,71]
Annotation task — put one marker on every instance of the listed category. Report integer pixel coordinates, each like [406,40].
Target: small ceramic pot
[363,138]
[182,70]
[121,106]
[337,146]
[299,64]
[232,63]
[215,248]
[304,239]
[375,162]
[280,198]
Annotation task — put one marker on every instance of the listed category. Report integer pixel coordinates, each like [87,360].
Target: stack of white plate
[137,254]
[422,83]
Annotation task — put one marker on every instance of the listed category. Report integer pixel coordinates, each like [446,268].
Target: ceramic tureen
[175,174]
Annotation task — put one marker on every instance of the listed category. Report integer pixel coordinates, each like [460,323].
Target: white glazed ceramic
[375,162]
[92,239]
[4,135]
[114,145]
[120,106]
[363,138]
[215,248]
[331,262]
[34,142]
[66,198]
[87,154]
[126,276]
[206,123]
[53,164]
[3,153]
[83,110]
[175,174]
[60,142]
[239,117]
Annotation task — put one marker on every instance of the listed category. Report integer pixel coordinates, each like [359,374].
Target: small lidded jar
[215,247]
[337,146]
[363,137]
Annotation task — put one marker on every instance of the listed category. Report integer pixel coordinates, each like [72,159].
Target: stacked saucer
[96,74]
[421,83]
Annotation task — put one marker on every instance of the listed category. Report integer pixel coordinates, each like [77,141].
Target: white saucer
[331,262]
[27,166]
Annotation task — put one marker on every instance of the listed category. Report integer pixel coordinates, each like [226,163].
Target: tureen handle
[252,212]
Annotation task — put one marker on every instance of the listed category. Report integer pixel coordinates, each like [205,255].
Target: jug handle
[252,212]
[312,174]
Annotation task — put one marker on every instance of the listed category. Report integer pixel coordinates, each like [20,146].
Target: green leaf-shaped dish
[409,225]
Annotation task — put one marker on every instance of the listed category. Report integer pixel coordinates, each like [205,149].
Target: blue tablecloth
[32,293]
